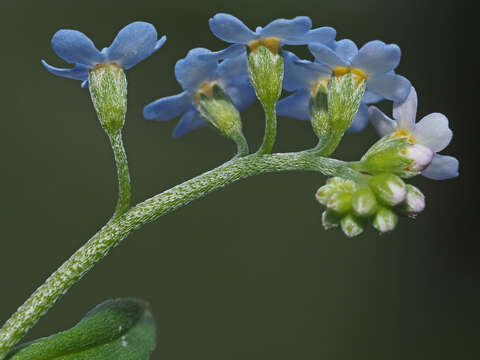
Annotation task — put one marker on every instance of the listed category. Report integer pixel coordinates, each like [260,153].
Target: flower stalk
[119,227]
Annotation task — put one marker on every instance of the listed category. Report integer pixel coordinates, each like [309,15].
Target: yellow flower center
[206,88]
[402,133]
[271,43]
[358,74]
[319,84]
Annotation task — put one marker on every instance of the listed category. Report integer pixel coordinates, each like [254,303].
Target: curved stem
[120,227]
[270,129]
[242,144]
[124,186]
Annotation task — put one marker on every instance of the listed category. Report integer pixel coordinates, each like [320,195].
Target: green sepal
[108,89]
[334,185]
[344,98]
[219,110]
[120,329]
[388,188]
[319,117]
[266,74]
[330,219]
[387,155]
[352,226]
[385,220]
[364,202]
[340,202]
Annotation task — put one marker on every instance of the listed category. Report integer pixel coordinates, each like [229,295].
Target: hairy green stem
[120,227]
[123,174]
[270,129]
[242,144]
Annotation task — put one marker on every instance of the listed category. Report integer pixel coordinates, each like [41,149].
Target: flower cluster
[333,91]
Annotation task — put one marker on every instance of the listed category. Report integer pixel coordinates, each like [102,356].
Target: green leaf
[117,329]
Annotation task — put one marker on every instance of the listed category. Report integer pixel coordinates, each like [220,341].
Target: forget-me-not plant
[333,92]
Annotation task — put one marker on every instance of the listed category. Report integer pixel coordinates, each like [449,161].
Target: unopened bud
[351,226]
[388,188]
[340,202]
[421,156]
[397,156]
[385,220]
[414,201]
[218,109]
[364,202]
[334,185]
[330,219]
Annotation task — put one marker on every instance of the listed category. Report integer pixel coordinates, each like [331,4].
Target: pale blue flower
[432,131]
[302,77]
[197,73]
[375,62]
[296,31]
[134,43]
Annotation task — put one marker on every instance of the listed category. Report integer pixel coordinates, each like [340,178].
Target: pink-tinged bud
[420,155]
[414,201]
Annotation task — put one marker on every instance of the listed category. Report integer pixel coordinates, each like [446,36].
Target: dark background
[248,272]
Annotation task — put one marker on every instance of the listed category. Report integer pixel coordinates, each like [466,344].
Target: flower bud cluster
[378,201]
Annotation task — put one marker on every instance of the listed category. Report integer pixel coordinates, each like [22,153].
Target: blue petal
[286,29]
[346,49]
[370,97]
[78,72]
[191,120]
[76,48]
[323,54]
[442,167]
[296,105]
[324,35]
[376,57]
[405,113]
[242,94]
[134,43]
[192,71]
[230,29]
[230,52]
[360,120]
[302,74]
[381,122]
[391,86]
[168,107]
[433,131]
[233,70]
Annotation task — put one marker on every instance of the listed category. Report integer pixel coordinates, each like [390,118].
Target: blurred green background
[248,272]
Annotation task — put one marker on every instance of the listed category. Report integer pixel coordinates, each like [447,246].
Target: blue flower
[134,43]
[432,131]
[197,73]
[296,31]
[303,78]
[375,62]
